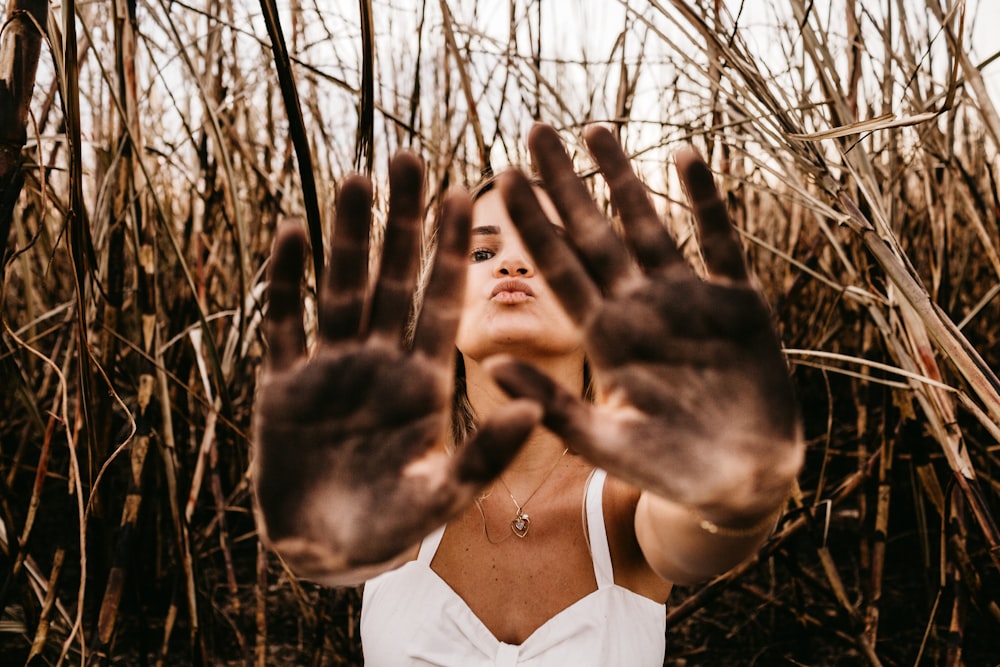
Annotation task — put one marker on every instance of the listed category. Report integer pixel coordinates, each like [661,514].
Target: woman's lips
[511,291]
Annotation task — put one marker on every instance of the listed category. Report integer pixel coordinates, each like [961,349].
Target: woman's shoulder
[631,569]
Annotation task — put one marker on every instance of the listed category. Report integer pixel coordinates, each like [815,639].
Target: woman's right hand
[350,467]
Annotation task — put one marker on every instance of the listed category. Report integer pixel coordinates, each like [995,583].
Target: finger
[650,243]
[401,250]
[442,307]
[602,250]
[720,244]
[342,299]
[496,443]
[285,333]
[566,415]
[564,273]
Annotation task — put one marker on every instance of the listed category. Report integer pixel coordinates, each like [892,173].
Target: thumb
[568,416]
[497,441]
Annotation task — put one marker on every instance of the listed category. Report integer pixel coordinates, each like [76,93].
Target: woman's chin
[525,345]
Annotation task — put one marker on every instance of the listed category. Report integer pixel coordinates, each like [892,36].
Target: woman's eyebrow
[485,230]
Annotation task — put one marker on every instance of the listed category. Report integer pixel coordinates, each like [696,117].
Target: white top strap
[598,534]
[429,546]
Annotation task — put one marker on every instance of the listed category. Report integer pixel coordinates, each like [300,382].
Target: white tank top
[411,617]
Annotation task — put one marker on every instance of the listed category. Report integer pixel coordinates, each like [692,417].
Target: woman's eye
[481,254]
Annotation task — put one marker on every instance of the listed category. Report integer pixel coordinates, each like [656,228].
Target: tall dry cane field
[147,152]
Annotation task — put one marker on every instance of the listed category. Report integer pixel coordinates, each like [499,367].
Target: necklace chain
[521,522]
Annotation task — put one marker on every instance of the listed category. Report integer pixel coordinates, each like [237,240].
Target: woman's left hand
[695,402]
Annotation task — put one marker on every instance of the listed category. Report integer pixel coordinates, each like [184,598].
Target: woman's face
[508,306]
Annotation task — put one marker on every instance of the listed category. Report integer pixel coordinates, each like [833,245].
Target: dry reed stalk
[20,47]
[41,471]
[297,133]
[461,64]
[883,244]
[36,581]
[812,624]
[836,585]
[364,143]
[168,453]
[794,522]
[909,151]
[124,209]
[921,313]
[82,261]
[168,628]
[223,531]
[879,533]
[973,76]
[44,623]
[114,589]
[260,617]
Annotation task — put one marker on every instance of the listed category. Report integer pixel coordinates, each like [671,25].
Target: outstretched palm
[350,467]
[695,401]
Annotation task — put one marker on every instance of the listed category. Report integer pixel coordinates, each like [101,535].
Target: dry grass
[858,148]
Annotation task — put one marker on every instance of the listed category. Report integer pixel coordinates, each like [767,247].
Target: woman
[530,557]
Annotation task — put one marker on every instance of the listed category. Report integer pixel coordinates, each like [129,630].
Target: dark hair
[483,186]
[489,182]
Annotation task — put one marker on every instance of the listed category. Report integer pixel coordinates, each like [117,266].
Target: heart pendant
[520,524]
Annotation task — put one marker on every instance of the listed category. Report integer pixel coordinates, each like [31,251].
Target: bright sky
[986,42]
[572,31]
[578,21]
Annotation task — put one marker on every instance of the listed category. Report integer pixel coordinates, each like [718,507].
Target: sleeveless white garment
[410,617]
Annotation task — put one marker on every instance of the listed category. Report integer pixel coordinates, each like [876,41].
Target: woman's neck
[542,446]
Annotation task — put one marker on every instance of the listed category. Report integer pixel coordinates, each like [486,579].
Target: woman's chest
[515,584]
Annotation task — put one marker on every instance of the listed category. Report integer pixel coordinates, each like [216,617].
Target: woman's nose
[514,264]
